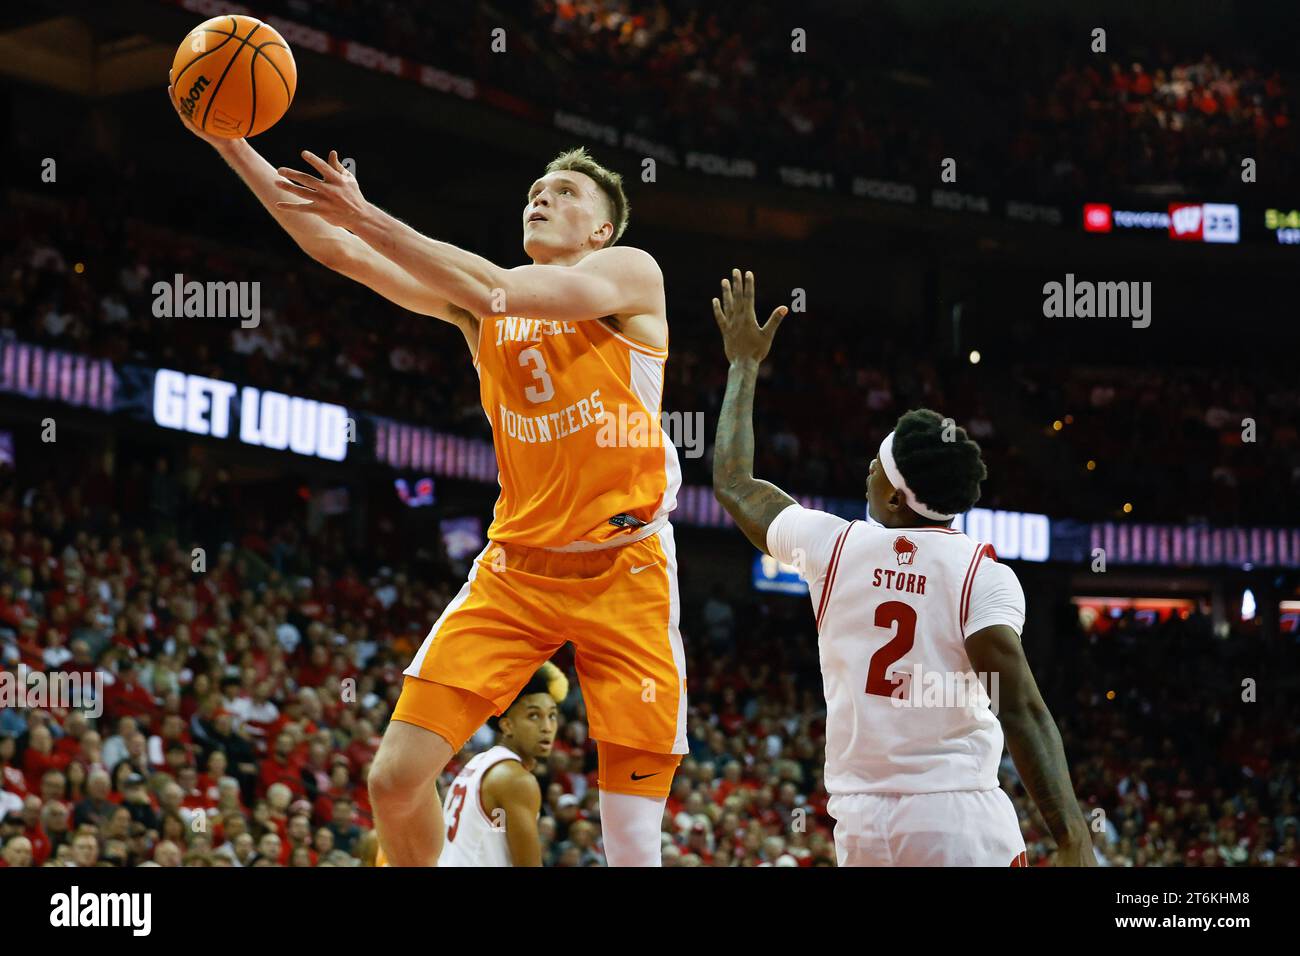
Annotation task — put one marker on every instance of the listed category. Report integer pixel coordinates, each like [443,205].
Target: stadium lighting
[1247,605]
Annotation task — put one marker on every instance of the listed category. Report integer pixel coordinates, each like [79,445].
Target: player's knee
[395,786]
[405,770]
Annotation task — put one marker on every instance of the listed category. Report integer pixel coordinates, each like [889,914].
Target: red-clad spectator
[296,713]
[35,832]
[89,755]
[12,777]
[731,782]
[256,712]
[317,668]
[41,757]
[340,785]
[677,795]
[316,769]
[71,744]
[192,795]
[298,835]
[127,697]
[30,649]
[171,731]
[364,745]
[697,842]
[210,778]
[281,767]
[14,611]
[363,811]
[1141,85]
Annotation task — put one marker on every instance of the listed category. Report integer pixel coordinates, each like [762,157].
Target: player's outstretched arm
[751,502]
[618,281]
[1034,741]
[514,798]
[331,246]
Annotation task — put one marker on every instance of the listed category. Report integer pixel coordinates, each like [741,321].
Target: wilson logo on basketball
[904,549]
[192,100]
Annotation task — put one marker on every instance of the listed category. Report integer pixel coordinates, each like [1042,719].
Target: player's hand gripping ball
[233,76]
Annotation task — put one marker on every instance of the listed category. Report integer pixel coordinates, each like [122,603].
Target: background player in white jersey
[492,806]
[917,626]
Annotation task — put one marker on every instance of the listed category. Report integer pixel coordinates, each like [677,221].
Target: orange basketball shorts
[620,608]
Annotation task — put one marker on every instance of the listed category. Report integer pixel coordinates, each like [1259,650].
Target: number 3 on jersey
[887,615]
[537,393]
[457,804]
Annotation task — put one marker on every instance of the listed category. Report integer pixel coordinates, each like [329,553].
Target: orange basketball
[234,76]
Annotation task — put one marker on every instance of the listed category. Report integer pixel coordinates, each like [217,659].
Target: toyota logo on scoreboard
[1096,217]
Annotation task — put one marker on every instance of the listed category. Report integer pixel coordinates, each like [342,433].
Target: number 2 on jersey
[537,393]
[887,615]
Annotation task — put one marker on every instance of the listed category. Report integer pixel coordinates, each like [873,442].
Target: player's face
[565,213]
[533,723]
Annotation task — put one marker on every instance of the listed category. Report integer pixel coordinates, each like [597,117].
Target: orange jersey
[576,421]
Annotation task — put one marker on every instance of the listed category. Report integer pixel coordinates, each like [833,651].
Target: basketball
[234,76]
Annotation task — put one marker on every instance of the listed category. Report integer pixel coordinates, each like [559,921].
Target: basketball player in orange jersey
[913,782]
[580,548]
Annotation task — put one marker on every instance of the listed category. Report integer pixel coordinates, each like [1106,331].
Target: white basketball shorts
[951,828]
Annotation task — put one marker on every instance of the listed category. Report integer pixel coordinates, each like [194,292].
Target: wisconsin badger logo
[904,549]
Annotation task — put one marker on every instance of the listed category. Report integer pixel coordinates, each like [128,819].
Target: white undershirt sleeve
[804,538]
[996,598]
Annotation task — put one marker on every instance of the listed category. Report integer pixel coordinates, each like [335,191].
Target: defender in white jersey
[492,806]
[917,625]
[475,838]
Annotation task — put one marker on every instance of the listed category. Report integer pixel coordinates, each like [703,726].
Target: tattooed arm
[1033,740]
[751,502]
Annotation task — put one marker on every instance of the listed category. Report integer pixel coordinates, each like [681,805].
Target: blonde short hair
[611,184]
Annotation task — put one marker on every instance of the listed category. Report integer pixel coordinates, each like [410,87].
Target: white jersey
[905,713]
[472,839]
